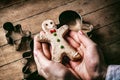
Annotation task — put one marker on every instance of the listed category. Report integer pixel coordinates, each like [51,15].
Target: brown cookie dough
[54,36]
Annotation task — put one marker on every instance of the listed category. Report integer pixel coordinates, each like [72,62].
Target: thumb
[38,52]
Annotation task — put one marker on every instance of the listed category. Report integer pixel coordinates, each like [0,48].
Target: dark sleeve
[113,72]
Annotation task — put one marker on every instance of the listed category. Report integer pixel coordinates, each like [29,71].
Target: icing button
[58,40]
[62,47]
[55,34]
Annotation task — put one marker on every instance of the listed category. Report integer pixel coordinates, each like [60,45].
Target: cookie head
[48,25]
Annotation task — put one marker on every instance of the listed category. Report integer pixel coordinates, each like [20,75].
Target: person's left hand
[49,69]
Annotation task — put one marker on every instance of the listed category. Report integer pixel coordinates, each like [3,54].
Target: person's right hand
[49,69]
[92,65]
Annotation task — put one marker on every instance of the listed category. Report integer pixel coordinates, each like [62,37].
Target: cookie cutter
[18,29]
[34,76]
[29,54]
[75,22]
[8,27]
[26,69]
[25,40]
[70,18]
[28,74]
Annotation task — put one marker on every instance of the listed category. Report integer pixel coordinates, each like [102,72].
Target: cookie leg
[56,58]
[73,55]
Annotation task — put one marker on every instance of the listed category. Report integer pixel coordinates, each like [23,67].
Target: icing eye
[51,22]
[46,24]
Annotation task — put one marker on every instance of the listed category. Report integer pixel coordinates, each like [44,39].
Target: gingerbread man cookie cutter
[54,36]
[74,21]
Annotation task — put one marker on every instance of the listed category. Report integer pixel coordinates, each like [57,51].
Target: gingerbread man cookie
[54,36]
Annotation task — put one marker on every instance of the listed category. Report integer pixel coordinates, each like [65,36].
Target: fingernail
[81,33]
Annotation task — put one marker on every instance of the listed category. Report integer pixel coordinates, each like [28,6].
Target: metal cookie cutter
[9,28]
[74,21]
[25,41]
[18,29]
[34,76]
[29,54]
[30,74]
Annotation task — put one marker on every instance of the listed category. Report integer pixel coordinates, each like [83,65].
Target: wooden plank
[108,37]
[3,40]
[96,18]
[112,52]
[28,9]
[12,14]
[33,23]
[41,6]
[104,16]
[101,36]
[107,34]
[9,54]
[12,71]
[113,46]
[7,3]
[2,37]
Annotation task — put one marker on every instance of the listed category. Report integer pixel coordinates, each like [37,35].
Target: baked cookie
[55,36]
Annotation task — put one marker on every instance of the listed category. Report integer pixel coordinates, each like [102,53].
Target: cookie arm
[63,29]
[42,37]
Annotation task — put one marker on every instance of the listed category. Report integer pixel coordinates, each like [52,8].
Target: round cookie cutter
[70,18]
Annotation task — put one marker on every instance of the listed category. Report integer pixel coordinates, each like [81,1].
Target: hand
[92,65]
[47,68]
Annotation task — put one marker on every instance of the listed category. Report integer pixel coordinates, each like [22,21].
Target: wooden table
[103,14]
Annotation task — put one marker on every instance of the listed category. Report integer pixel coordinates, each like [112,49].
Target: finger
[46,50]
[73,35]
[37,45]
[72,42]
[73,64]
[84,39]
[45,47]
[38,52]
[74,73]
[39,68]
[37,64]
[81,51]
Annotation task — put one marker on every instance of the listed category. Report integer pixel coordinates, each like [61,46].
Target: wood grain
[33,23]
[112,52]
[107,34]
[3,40]
[9,54]
[8,3]
[28,9]
[12,71]
[108,38]
[103,14]
[30,23]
